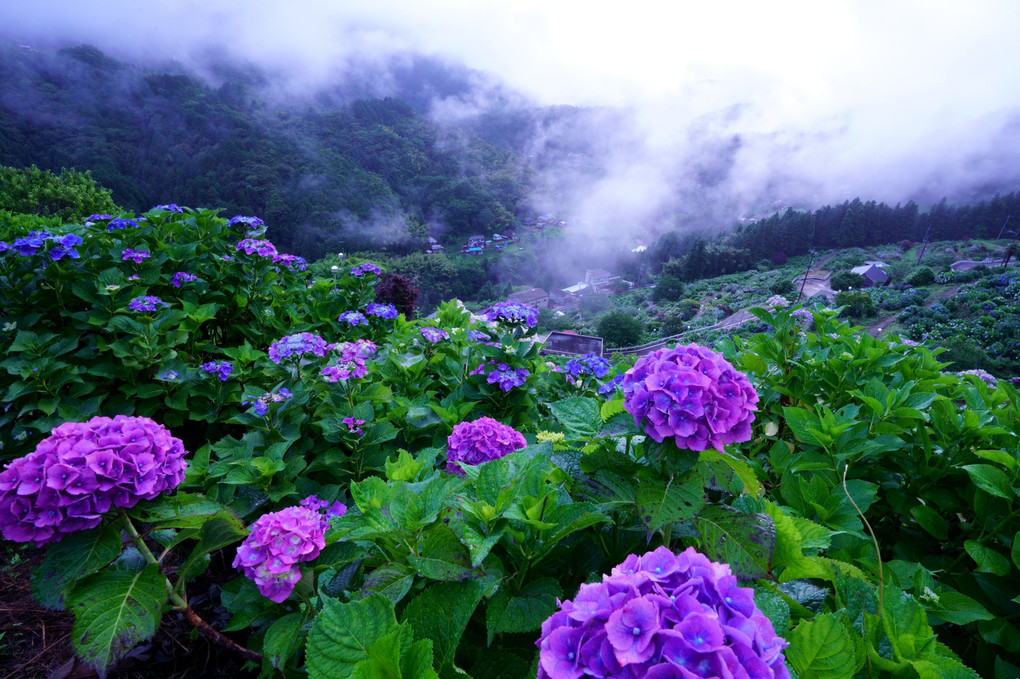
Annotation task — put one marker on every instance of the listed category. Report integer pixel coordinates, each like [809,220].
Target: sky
[887,99]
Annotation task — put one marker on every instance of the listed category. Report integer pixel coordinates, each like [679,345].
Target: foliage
[922,275]
[619,329]
[856,303]
[668,288]
[70,196]
[846,280]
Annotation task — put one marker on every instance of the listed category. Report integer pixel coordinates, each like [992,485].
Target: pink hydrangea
[82,470]
[691,394]
[480,441]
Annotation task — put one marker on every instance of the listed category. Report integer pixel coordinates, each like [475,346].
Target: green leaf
[1015,551]
[745,541]
[217,532]
[988,560]
[343,633]
[803,423]
[113,612]
[76,556]
[441,614]
[956,608]
[392,580]
[441,556]
[662,503]
[580,416]
[825,647]
[179,511]
[989,479]
[930,520]
[774,607]
[738,466]
[524,612]
[282,639]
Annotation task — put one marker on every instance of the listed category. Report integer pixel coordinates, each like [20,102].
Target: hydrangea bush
[477,442]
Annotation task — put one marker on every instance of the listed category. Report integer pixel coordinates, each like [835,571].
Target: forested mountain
[364,174]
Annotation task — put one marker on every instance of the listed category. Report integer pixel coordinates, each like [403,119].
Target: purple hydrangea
[478,336]
[512,313]
[506,377]
[182,277]
[250,223]
[297,345]
[4,246]
[777,302]
[65,246]
[353,318]
[589,364]
[692,394]
[262,248]
[982,375]
[121,224]
[219,368]
[172,207]
[480,441]
[386,311]
[353,425]
[168,376]
[350,363]
[136,256]
[30,244]
[610,387]
[291,262]
[362,269]
[261,403]
[278,542]
[434,335]
[81,470]
[315,504]
[98,218]
[146,303]
[662,615]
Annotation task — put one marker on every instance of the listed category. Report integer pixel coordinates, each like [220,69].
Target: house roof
[529,295]
[871,272]
[572,343]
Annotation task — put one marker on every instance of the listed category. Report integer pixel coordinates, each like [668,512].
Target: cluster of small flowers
[982,375]
[360,270]
[81,470]
[172,207]
[777,302]
[434,335]
[296,346]
[168,376]
[353,425]
[220,368]
[480,441]
[278,542]
[291,261]
[146,303]
[261,403]
[478,336]
[137,256]
[692,394]
[353,318]
[30,244]
[386,311]
[512,313]
[662,615]
[804,315]
[609,388]
[182,277]
[250,223]
[123,223]
[589,364]
[506,377]
[351,361]
[262,248]
[98,218]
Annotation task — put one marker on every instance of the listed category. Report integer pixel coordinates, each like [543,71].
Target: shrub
[856,303]
[922,275]
[844,280]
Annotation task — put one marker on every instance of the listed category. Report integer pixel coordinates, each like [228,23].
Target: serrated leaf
[661,503]
[825,647]
[217,532]
[739,467]
[774,607]
[282,640]
[441,556]
[523,612]
[745,541]
[579,415]
[178,511]
[74,557]
[343,633]
[113,612]
[988,560]
[989,479]
[383,660]
[392,580]
[441,614]
[611,409]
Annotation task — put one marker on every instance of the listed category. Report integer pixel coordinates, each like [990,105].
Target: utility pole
[1004,226]
[806,272]
[924,244]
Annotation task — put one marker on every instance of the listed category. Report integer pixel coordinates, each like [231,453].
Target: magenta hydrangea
[691,394]
[480,441]
[278,542]
[662,615]
[297,345]
[81,470]
[350,361]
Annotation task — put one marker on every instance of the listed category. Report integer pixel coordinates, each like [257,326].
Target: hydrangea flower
[480,441]
[81,470]
[219,368]
[30,244]
[610,387]
[777,302]
[137,256]
[662,615]
[351,361]
[353,425]
[982,375]
[182,277]
[353,318]
[262,248]
[98,218]
[168,376]
[512,313]
[506,377]
[172,207]
[121,224]
[65,246]
[146,303]
[5,246]
[291,261]
[251,223]
[478,336]
[360,270]
[297,345]
[434,335]
[589,364]
[691,394]
[314,503]
[261,403]
[278,542]
[386,311]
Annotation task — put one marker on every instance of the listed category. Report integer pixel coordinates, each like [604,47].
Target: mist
[662,116]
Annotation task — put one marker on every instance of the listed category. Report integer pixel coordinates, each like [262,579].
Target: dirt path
[876,328]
